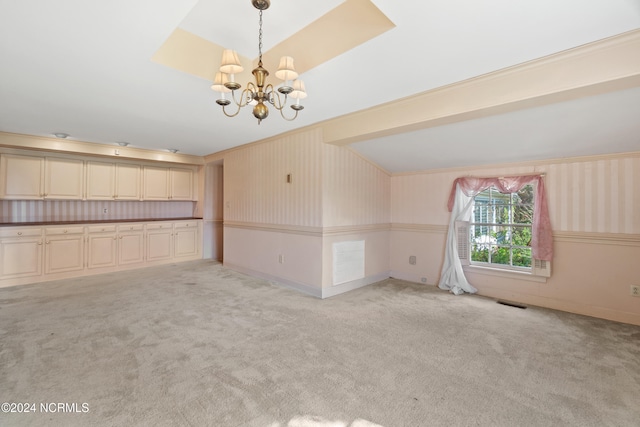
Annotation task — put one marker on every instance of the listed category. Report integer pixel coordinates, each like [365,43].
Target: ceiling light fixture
[123,144]
[173,150]
[61,135]
[258,94]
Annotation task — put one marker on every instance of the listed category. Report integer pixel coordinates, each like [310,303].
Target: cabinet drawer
[130,227]
[106,228]
[63,230]
[159,225]
[20,232]
[187,224]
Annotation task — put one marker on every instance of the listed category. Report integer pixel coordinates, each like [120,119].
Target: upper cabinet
[113,181]
[155,183]
[27,177]
[21,177]
[128,181]
[181,184]
[168,184]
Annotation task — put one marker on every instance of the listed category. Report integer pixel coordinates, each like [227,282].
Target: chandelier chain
[260,39]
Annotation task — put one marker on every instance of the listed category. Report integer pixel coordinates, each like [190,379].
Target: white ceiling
[84,68]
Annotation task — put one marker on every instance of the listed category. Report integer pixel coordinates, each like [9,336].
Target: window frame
[538,271]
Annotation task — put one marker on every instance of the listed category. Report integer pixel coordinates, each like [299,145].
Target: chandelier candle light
[258,94]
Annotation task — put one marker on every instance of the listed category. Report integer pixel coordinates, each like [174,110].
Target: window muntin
[500,229]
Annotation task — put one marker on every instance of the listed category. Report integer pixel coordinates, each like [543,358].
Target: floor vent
[512,304]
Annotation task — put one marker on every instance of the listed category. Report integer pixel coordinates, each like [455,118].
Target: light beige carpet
[196,344]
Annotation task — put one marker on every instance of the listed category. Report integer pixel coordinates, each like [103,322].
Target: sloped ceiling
[87,69]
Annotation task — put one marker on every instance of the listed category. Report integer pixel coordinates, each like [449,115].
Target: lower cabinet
[20,252]
[102,244]
[130,244]
[159,242]
[64,249]
[35,254]
[186,239]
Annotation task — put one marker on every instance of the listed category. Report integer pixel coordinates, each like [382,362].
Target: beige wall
[255,186]
[334,196]
[594,207]
[354,191]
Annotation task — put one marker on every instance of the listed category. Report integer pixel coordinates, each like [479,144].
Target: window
[500,229]
[497,226]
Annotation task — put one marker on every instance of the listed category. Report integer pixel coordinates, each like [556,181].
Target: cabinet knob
[40,243]
[114,237]
[19,233]
[47,242]
[64,231]
[120,237]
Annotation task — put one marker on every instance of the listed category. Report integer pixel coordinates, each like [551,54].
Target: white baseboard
[309,290]
[354,284]
[400,275]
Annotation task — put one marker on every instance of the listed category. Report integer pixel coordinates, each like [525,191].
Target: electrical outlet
[635,290]
[281,259]
[105,210]
[423,280]
[412,260]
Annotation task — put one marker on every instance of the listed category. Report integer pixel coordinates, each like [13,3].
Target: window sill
[518,275]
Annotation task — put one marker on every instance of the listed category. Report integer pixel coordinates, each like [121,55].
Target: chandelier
[257,94]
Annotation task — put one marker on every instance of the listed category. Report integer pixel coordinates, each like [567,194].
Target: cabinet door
[128,182]
[21,177]
[101,179]
[130,244]
[20,257]
[160,242]
[101,249]
[181,184]
[187,242]
[64,252]
[64,178]
[156,183]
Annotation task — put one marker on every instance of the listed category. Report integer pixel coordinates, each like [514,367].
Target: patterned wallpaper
[18,211]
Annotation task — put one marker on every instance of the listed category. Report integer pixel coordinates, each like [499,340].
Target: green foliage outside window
[500,230]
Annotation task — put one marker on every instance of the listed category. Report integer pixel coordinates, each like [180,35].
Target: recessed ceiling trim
[350,24]
[186,52]
[343,28]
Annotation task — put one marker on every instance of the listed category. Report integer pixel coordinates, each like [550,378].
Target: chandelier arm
[231,115]
[285,117]
[279,105]
[244,100]
[244,97]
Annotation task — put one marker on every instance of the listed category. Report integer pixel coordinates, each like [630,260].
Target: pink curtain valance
[542,239]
